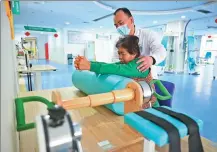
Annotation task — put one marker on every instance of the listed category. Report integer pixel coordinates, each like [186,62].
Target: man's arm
[128,70]
[158,52]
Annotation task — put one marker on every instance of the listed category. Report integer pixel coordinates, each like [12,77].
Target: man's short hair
[125,10]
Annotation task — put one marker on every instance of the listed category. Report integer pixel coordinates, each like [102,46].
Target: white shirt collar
[137,31]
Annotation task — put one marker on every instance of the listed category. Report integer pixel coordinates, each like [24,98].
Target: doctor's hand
[146,105]
[81,63]
[145,63]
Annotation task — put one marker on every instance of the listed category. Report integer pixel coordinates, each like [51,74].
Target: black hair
[130,43]
[125,10]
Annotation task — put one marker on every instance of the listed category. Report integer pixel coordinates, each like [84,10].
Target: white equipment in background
[57,133]
[21,62]
[215,69]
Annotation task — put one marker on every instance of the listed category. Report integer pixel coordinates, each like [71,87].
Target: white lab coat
[150,45]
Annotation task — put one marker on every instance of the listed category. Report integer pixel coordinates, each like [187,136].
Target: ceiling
[81,14]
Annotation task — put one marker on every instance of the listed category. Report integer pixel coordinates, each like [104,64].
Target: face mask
[123,30]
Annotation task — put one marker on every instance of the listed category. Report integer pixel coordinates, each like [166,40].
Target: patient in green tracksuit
[128,51]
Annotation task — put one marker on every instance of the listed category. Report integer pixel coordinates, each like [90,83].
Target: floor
[194,95]
[55,79]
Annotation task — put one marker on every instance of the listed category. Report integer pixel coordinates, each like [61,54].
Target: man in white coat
[152,51]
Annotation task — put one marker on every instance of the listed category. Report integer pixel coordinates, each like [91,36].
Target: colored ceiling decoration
[56,35]
[27,34]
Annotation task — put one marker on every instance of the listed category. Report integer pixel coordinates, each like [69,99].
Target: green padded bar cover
[20,112]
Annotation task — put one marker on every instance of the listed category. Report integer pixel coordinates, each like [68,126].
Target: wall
[56,47]
[41,40]
[77,44]
[114,39]
[161,29]
[104,48]
[9,87]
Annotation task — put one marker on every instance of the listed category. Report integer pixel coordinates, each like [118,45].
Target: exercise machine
[28,65]
[56,132]
[193,66]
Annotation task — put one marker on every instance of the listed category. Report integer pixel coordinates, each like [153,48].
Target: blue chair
[208,55]
[170,87]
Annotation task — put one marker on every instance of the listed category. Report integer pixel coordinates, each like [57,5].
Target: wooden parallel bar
[94,100]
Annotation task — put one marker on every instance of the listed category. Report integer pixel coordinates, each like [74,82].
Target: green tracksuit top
[127,70]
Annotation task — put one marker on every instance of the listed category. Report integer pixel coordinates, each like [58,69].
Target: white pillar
[175,31]
[9,87]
